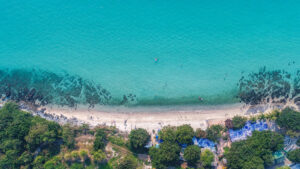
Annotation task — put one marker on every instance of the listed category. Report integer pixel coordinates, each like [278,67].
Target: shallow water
[202,47]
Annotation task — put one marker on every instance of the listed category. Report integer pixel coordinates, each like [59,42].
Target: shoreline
[153,120]
[150,118]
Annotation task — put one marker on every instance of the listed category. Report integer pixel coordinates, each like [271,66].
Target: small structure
[205,143]
[290,143]
[229,124]
[278,157]
[243,133]
[157,140]
[149,144]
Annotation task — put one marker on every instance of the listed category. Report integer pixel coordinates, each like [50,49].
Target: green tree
[192,154]
[21,134]
[68,157]
[200,133]
[100,140]
[38,162]
[84,128]
[298,142]
[83,155]
[75,155]
[255,151]
[254,163]
[294,156]
[238,122]
[166,155]
[11,144]
[253,119]
[168,133]
[214,132]
[156,161]
[207,158]
[170,152]
[25,159]
[68,136]
[292,134]
[54,163]
[10,107]
[138,138]
[128,162]
[9,159]
[289,119]
[41,133]
[77,166]
[98,156]
[184,134]
[284,167]
[14,126]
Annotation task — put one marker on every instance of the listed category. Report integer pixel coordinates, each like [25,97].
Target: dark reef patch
[276,86]
[42,87]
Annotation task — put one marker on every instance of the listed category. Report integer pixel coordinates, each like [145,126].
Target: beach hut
[149,144]
[204,143]
[195,140]
[243,133]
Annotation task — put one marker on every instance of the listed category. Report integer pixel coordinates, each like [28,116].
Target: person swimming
[200,98]
[155,60]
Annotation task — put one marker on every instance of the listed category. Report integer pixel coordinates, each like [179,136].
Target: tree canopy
[168,133]
[238,122]
[289,119]
[294,156]
[184,134]
[138,138]
[192,154]
[214,132]
[28,141]
[100,140]
[206,158]
[166,155]
[255,151]
[284,167]
[68,136]
[199,133]
[298,142]
[128,162]
[22,134]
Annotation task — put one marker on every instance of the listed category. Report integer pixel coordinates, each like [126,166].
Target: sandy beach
[125,121]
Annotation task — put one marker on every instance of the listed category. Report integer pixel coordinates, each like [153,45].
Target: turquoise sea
[161,52]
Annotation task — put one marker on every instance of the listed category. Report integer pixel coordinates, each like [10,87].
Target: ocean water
[161,52]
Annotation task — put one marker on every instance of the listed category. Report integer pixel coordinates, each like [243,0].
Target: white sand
[153,118]
[126,121]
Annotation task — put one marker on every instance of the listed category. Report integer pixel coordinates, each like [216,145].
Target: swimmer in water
[200,98]
[155,60]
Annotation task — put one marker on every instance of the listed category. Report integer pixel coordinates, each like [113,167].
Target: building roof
[243,133]
[278,154]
